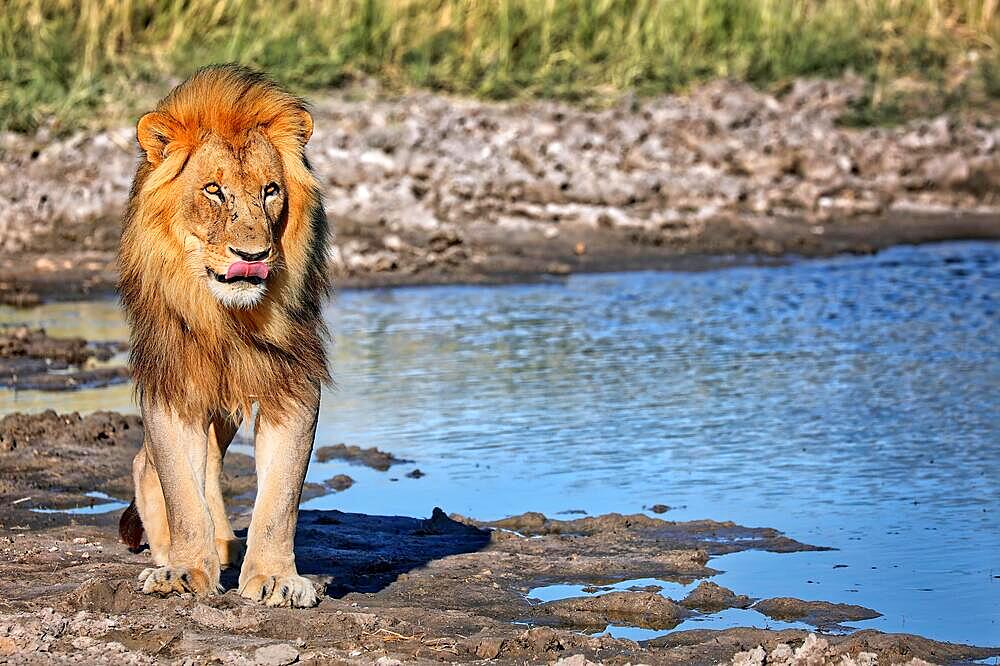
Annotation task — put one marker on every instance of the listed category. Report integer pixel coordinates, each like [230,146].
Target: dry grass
[80,60]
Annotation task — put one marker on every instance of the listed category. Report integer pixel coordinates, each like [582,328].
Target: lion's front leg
[178,450]
[282,450]
[221,431]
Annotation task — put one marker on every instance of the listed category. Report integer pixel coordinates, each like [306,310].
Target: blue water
[850,402]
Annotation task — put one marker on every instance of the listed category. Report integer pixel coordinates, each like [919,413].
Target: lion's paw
[289,591]
[231,552]
[177,580]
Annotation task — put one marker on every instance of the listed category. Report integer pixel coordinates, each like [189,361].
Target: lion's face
[231,201]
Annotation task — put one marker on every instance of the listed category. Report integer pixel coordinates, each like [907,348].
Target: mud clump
[44,381]
[640,609]
[276,654]
[24,342]
[18,296]
[30,359]
[65,433]
[717,537]
[793,647]
[816,613]
[100,594]
[339,483]
[371,457]
[709,597]
[816,650]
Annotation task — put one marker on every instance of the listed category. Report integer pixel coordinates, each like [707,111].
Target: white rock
[277,654]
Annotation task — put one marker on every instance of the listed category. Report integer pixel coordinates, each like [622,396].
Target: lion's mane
[187,351]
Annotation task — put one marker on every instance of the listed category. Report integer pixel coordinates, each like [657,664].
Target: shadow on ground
[354,552]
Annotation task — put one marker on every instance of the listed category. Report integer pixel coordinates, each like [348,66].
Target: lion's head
[223,255]
[224,156]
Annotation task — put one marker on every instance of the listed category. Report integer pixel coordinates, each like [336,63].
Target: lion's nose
[251,256]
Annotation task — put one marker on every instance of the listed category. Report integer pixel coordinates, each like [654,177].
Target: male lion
[223,272]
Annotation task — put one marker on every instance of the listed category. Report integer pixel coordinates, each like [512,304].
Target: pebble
[276,654]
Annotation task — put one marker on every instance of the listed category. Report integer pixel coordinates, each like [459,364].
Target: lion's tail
[130,527]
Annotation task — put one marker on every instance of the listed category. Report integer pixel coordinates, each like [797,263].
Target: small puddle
[745,617]
[106,505]
[559,591]
[632,633]
[725,619]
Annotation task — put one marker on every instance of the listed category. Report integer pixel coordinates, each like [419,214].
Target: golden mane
[188,351]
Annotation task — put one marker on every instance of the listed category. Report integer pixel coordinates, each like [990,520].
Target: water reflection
[102,504]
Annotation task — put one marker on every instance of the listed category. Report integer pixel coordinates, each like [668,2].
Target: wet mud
[32,360]
[423,188]
[443,588]
[647,610]
[709,597]
[370,457]
[816,613]
[339,482]
[715,537]
[50,461]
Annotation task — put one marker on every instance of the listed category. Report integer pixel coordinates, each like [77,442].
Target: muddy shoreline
[443,588]
[427,189]
[29,279]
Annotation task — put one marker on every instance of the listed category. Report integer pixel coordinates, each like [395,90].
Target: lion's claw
[177,580]
[288,591]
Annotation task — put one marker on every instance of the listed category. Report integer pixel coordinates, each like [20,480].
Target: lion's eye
[271,189]
[214,190]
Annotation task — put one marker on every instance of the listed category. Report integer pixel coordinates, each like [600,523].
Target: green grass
[86,62]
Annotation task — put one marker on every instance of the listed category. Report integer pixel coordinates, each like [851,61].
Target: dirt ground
[423,188]
[446,588]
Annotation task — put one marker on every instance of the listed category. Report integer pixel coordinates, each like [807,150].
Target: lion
[223,273]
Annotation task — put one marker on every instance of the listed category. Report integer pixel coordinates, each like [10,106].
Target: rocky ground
[446,588]
[424,188]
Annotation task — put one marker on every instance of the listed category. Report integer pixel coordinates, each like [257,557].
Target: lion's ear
[306,120]
[154,131]
[295,126]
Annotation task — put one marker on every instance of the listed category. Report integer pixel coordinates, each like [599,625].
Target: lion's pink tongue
[247,269]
